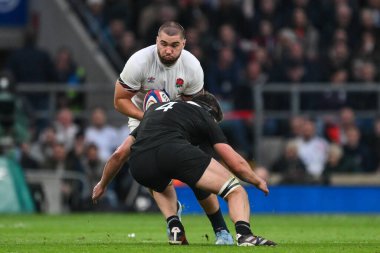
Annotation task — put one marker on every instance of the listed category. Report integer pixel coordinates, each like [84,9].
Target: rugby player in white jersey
[166,66]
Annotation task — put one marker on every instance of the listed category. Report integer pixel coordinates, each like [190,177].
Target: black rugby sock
[217,221]
[173,221]
[243,228]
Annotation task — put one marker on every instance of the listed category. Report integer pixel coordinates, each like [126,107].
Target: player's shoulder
[143,56]
[190,61]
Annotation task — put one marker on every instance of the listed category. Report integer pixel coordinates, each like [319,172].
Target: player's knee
[200,194]
[230,186]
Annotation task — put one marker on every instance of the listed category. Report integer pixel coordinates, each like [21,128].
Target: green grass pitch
[109,233]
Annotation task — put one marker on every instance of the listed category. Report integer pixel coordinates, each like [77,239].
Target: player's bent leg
[218,180]
[214,214]
[168,204]
[166,201]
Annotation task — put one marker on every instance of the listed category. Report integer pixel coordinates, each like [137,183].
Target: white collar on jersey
[193,103]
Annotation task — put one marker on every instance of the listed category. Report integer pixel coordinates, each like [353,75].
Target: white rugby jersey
[144,71]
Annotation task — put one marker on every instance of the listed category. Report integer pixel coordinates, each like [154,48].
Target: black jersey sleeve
[134,132]
[212,129]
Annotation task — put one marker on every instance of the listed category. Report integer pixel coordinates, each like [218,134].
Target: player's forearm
[243,171]
[116,161]
[111,169]
[123,102]
[126,107]
[236,164]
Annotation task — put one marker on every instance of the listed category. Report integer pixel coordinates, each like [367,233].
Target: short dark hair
[172,28]
[209,102]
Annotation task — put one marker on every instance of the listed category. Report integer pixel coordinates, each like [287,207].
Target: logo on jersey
[179,82]
[151,79]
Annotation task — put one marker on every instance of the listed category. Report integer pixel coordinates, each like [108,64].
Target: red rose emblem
[179,82]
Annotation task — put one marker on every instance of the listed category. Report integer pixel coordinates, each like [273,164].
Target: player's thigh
[214,177]
[183,161]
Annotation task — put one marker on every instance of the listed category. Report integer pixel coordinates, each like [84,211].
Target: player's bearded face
[169,48]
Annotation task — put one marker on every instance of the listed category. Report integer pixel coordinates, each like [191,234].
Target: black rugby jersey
[176,122]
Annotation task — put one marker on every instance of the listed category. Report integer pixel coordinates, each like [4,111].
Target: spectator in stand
[306,33]
[263,58]
[148,14]
[344,17]
[96,8]
[374,5]
[191,11]
[336,130]
[70,188]
[42,149]
[231,13]
[295,127]
[312,10]
[26,160]
[192,37]
[339,57]
[65,127]
[227,38]
[165,12]
[67,69]
[265,38]
[374,143]
[336,163]
[115,30]
[76,154]
[32,65]
[253,76]
[367,22]
[104,136]
[357,153]
[334,99]
[368,49]
[119,9]
[290,166]
[312,149]
[285,38]
[366,76]
[295,56]
[224,75]
[128,45]
[265,10]
[70,73]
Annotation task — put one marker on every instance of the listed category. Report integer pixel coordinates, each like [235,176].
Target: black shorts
[156,168]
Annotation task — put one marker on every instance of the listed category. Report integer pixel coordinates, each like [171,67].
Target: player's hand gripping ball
[155,96]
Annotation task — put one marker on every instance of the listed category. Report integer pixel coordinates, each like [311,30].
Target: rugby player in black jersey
[164,148]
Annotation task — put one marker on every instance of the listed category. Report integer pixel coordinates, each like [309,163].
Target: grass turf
[109,233]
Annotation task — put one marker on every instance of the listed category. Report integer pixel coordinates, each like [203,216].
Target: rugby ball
[155,96]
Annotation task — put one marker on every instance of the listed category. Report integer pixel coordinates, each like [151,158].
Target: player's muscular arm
[123,102]
[112,167]
[239,166]
[190,97]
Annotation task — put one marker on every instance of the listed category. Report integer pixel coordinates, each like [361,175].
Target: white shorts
[133,124]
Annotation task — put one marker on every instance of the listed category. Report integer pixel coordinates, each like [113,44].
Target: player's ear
[184,42]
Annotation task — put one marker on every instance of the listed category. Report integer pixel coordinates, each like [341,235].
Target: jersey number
[166,107]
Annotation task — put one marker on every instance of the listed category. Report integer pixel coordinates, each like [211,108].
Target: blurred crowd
[240,44]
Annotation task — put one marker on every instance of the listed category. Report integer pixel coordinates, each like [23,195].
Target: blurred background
[298,81]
